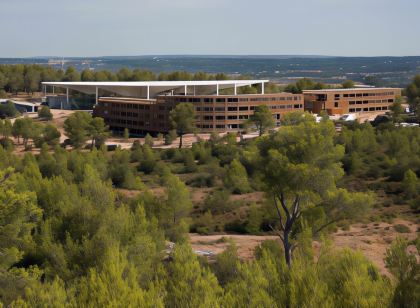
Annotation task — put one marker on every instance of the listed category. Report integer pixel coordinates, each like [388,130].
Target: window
[336,104]
[208,100]
[218,118]
[243,108]
[232,100]
[220,100]
[232,108]
[232,117]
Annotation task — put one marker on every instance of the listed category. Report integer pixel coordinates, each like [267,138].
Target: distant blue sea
[381,71]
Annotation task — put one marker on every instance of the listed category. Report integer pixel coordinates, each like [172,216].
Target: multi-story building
[144,106]
[213,112]
[355,100]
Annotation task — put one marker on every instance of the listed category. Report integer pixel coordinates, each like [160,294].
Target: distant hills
[379,71]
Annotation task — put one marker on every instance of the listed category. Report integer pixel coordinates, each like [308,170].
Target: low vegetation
[72,236]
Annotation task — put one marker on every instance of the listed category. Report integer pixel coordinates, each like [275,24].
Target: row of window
[127,106]
[246,108]
[364,94]
[236,99]
[220,126]
[371,101]
[368,109]
[222,118]
[133,123]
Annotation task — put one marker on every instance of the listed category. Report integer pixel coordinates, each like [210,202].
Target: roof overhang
[151,89]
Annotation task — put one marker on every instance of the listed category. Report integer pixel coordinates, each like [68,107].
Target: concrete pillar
[96,94]
[185,90]
[148,92]
[235,89]
[262,88]
[217,89]
[67,95]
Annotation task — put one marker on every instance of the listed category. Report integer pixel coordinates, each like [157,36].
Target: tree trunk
[286,223]
[287,248]
[180,141]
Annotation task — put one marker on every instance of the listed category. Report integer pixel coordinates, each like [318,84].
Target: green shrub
[45,113]
[400,228]
[202,180]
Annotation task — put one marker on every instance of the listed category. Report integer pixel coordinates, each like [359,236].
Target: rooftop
[151,89]
[349,89]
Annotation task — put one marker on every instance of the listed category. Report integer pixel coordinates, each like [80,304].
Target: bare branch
[326,225]
[278,212]
[6,176]
[284,206]
[278,232]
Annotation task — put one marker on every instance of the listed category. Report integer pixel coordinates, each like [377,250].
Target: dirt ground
[371,239]
[217,243]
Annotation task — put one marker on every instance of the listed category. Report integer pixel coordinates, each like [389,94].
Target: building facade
[355,100]
[213,112]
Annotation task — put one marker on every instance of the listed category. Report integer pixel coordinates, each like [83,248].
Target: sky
[86,28]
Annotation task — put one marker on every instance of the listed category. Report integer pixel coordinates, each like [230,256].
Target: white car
[404,124]
[348,117]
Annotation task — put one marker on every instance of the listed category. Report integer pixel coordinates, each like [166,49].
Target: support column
[262,88]
[194,90]
[96,93]
[185,90]
[217,89]
[67,95]
[235,89]
[148,92]
[53,90]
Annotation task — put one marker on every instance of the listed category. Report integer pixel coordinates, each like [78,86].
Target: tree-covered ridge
[69,237]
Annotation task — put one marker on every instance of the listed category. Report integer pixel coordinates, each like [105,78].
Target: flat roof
[20,103]
[349,89]
[151,89]
[155,83]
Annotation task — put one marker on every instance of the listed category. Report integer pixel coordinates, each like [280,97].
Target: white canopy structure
[151,89]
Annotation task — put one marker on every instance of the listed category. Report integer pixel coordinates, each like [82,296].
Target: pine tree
[237,178]
[189,284]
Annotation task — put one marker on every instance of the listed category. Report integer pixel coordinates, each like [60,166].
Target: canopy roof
[151,89]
